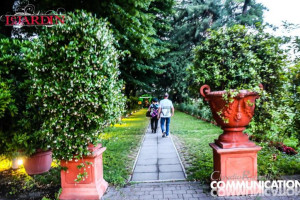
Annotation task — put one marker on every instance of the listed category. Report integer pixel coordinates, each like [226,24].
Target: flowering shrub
[74,68]
[281,147]
[239,58]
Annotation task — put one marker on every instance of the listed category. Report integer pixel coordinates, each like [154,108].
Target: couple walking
[164,110]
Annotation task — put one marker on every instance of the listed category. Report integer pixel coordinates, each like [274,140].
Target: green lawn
[122,143]
[194,137]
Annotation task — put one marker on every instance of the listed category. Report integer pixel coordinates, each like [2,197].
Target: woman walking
[153,108]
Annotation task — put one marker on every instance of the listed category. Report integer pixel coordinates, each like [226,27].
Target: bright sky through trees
[282,10]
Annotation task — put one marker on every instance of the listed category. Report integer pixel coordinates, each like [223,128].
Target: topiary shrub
[239,58]
[74,68]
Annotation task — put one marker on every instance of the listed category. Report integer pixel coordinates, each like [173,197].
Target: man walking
[165,112]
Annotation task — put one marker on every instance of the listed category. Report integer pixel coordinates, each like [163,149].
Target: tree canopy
[191,24]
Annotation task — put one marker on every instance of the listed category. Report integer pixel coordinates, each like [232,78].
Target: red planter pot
[237,114]
[38,163]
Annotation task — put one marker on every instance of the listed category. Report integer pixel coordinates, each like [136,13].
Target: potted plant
[19,123]
[75,71]
[235,61]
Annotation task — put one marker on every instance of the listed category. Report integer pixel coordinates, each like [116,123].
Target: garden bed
[194,136]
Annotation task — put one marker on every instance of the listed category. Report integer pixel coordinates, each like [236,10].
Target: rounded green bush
[74,68]
[239,58]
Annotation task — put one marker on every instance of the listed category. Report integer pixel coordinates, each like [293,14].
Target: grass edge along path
[192,137]
[122,142]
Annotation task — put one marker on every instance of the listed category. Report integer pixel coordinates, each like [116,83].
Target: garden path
[181,190]
[158,159]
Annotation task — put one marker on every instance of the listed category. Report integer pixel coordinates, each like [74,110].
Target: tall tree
[190,24]
[137,25]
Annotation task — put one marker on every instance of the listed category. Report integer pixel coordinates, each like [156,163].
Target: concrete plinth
[237,165]
[93,187]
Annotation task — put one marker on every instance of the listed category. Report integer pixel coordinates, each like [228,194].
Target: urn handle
[204,90]
[261,86]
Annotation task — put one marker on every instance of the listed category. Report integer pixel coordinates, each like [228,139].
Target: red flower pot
[232,117]
[38,163]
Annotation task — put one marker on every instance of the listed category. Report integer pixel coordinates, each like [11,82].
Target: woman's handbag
[148,114]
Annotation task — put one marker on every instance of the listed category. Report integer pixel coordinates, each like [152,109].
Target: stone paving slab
[181,190]
[157,160]
[170,168]
[171,175]
[152,161]
[146,168]
[168,161]
[142,176]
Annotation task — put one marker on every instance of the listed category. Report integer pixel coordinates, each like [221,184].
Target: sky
[282,10]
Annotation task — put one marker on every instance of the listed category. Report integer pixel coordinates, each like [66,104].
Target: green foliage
[277,114]
[272,163]
[197,108]
[5,98]
[190,23]
[74,68]
[132,103]
[234,9]
[291,142]
[14,86]
[294,100]
[239,58]
[139,28]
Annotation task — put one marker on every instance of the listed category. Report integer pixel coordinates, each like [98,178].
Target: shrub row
[197,109]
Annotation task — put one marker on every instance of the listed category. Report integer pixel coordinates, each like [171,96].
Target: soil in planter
[17,185]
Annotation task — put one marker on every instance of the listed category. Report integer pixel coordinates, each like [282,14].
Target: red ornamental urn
[235,156]
[233,116]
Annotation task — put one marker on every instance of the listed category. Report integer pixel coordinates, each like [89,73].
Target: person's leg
[162,124]
[168,125]
[155,127]
[152,123]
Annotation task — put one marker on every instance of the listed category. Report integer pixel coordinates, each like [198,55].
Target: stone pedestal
[236,164]
[93,187]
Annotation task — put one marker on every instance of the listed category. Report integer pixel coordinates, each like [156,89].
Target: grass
[193,138]
[122,142]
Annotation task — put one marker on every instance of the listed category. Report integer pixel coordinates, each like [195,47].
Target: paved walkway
[158,159]
[182,190]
